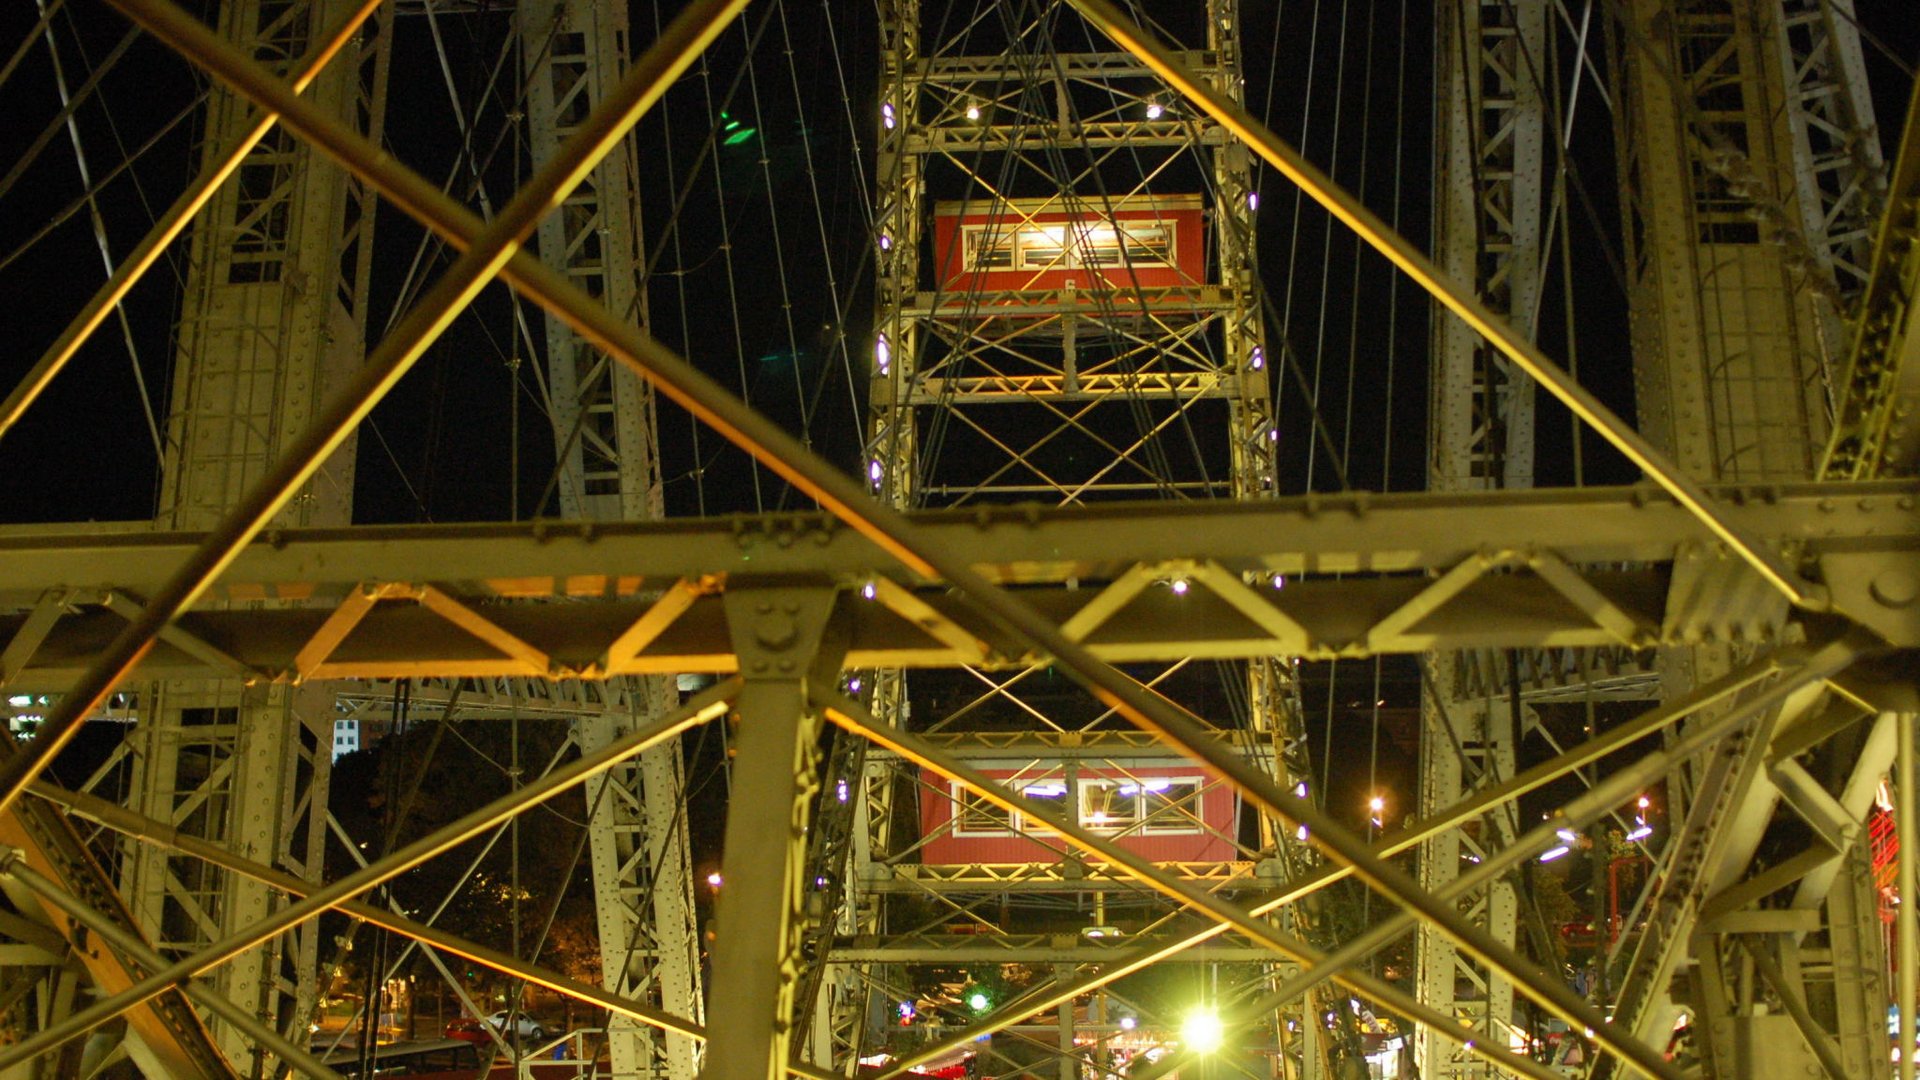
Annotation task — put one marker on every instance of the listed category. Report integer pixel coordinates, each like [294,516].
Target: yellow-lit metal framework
[1822,580]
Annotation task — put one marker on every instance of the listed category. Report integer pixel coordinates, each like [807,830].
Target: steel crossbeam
[1229,915]
[1061,558]
[1299,537]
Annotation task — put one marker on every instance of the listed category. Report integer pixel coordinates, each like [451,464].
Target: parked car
[468,1028]
[523,1025]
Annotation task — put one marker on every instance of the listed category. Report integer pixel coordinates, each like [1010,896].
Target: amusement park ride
[1019,774]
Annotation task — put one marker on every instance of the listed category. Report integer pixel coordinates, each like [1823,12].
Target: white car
[523,1025]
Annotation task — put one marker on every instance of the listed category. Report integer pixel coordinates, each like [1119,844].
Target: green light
[735,132]
[979,1002]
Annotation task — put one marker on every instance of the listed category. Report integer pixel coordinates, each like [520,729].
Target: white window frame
[1052,236]
[1187,822]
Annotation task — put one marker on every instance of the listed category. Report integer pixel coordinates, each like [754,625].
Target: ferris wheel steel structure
[1763,563]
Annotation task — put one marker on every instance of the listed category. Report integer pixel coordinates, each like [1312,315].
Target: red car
[468,1028]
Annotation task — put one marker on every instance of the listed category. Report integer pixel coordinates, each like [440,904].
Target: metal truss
[1731,377]
[574,53]
[1744,187]
[246,768]
[1058,395]
[1879,395]
[1605,567]
[165,1036]
[1489,231]
[1708,574]
[1840,173]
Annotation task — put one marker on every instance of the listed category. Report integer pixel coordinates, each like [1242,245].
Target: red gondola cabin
[1167,810]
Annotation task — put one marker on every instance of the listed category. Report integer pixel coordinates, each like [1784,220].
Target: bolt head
[1895,587]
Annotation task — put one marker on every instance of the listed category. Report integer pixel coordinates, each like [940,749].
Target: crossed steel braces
[790,640]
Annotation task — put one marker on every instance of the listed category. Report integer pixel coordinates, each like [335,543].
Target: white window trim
[1023,823]
[1184,825]
[1012,234]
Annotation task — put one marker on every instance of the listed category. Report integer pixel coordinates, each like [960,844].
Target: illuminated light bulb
[1127,1023]
[886,242]
[1645,802]
[853,685]
[1554,854]
[1257,359]
[1202,1031]
[1273,434]
[1154,110]
[714,879]
[882,353]
[1253,200]
[1300,834]
[978,1001]
[1279,581]
[1179,586]
[1300,789]
[873,473]
[973,112]
[868,590]
[886,115]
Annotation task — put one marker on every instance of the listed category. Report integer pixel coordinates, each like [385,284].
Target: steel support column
[274,319]
[574,52]
[1490,176]
[778,635]
[1738,251]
